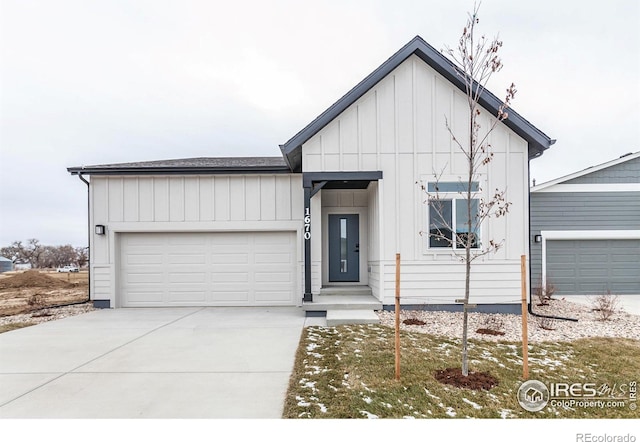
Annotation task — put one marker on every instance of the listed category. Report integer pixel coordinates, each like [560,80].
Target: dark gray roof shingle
[207,165]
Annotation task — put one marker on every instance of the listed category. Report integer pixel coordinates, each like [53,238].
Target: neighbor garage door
[207,269]
[591,267]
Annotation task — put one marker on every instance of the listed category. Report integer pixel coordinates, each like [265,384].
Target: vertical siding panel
[424,117]
[386,116]
[131,209]
[161,198]
[442,109]
[283,197]
[236,198]
[206,198]
[176,199]
[349,131]
[268,198]
[116,203]
[192,198]
[406,206]
[100,200]
[222,205]
[404,107]
[252,197]
[297,198]
[516,220]
[145,198]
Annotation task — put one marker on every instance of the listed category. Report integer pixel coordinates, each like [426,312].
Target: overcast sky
[92,82]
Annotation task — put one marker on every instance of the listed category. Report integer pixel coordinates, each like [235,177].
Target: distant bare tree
[477,61]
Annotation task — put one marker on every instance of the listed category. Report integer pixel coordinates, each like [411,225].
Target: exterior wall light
[537,238]
[100,229]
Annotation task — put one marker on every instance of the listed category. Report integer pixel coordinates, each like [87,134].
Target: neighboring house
[6,265]
[334,209]
[585,230]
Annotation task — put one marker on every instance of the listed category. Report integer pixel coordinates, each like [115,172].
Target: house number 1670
[307,223]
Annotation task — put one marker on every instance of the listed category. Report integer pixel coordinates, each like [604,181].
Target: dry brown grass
[51,289]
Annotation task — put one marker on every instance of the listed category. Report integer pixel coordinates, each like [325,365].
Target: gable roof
[291,150]
[622,159]
[188,166]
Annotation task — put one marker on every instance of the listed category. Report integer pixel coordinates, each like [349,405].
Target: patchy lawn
[348,372]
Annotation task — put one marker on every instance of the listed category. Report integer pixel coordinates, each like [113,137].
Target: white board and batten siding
[398,127]
[246,212]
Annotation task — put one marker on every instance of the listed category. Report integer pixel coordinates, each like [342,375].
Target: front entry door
[344,248]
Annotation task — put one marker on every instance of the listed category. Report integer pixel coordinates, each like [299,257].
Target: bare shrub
[544,294]
[37,302]
[546,323]
[605,305]
[491,325]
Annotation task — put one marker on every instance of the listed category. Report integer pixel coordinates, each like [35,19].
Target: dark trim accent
[101,303]
[308,178]
[538,141]
[510,309]
[315,314]
[317,187]
[177,170]
[308,296]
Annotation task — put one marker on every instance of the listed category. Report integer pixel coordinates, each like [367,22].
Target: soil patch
[475,380]
[488,331]
[413,321]
[32,278]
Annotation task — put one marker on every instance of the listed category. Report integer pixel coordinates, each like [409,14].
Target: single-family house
[331,211]
[585,230]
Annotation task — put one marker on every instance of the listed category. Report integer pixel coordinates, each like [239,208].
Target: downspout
[530,304]
[88,236]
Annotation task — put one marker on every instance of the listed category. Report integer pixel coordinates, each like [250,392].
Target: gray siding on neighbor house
[579,211]
[627,172]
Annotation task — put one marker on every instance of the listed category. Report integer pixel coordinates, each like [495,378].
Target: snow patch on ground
[473,404]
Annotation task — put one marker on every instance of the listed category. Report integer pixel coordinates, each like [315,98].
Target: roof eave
[177,170]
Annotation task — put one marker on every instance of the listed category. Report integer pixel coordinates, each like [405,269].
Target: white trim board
[599,187]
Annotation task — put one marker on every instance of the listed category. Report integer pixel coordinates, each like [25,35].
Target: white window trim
[568,235]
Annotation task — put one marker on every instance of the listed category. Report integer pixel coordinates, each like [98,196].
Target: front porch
[344,305]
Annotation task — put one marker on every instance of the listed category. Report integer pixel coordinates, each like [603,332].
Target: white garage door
[207,269]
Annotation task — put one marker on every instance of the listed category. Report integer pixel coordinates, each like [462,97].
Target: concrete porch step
[324,303]
[346,290]
[343,317]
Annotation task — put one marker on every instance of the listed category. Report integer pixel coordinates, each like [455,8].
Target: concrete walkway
[151,363]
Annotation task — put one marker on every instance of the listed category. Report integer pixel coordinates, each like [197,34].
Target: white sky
[92,82]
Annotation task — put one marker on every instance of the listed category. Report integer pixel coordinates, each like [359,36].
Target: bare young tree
[477,60]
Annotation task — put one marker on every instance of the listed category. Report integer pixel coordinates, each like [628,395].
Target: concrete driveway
[151,363]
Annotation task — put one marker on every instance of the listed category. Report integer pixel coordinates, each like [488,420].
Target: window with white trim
[448,214]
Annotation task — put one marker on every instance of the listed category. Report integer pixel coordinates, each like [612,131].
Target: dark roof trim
[308,178]
[538,141]
[190,166]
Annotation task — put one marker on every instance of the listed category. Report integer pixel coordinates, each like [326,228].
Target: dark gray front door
[344,248]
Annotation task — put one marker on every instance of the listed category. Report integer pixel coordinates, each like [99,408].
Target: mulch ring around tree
[475,381]
[413,321]
[488,331]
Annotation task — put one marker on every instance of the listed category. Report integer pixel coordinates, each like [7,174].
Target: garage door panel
[591,267]
[267,297]
[225,277]
[273,277]
[230,258]
[230,268]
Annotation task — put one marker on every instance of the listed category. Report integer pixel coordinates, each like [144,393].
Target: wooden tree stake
[397,310]
[525,334]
